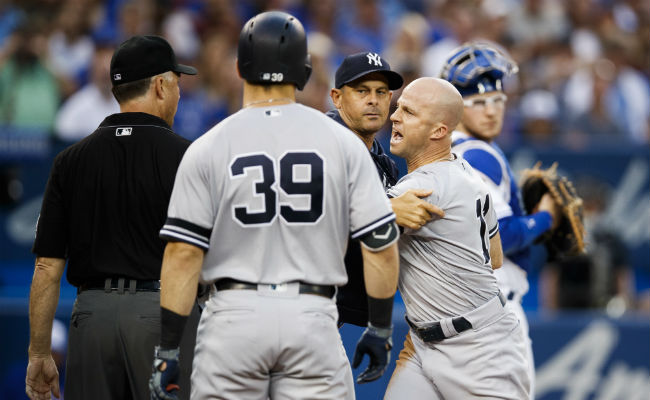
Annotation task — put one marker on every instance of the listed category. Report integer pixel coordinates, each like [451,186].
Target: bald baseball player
[262,208]
[361,94]
[465,344]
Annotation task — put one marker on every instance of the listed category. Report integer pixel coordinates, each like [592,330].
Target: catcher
[477,69]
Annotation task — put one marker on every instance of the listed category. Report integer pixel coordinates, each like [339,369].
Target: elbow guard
[380,238]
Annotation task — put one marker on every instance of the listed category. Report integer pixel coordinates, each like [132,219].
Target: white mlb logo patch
[123,131]
[273,113]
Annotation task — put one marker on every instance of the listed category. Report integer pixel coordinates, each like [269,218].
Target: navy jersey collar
[134,118]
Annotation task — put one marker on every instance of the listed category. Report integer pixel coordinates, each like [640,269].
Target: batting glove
[164,377]
[376,343]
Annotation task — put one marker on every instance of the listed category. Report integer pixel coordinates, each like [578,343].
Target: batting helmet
[273,49]
[478,67]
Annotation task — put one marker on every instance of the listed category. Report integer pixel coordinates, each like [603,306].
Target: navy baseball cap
[143,56]
[357,65]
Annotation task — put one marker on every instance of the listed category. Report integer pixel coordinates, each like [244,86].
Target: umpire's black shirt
[107,197]
[352,300]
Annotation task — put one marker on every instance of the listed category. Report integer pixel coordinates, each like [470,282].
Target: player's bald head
[441,99]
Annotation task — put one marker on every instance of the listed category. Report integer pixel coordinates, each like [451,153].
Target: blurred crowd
[584,64]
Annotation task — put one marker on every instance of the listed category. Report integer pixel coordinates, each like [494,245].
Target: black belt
[114,284]
[304,288]
[434,333]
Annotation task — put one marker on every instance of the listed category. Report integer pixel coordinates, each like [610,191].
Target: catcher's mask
[273,50]
[478,67]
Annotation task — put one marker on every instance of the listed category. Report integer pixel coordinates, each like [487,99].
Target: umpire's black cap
[357,65]
[143,56]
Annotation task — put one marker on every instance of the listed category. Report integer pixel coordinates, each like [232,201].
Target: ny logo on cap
[374,57]
[117,77]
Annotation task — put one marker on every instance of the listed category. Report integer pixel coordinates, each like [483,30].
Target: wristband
[380,312]
[172,326]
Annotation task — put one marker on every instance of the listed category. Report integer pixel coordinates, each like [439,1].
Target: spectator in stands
[364,26]
[88,107]
[10,19]
[29,93]
[313,94]
[595,116]
[539,111]
[70,47]
[205,98]
[460,19]
[409,42]
[321,16]
[534,23]
[219,17]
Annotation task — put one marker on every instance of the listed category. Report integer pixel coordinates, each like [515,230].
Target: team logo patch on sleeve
[123,131]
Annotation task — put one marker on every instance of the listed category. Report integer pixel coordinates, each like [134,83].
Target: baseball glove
[567,238]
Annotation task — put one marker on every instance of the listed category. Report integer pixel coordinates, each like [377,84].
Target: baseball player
[464,343]
[262,208]
[362,93]
[476,69]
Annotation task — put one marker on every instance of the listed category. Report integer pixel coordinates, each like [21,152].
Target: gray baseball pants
[259,344]
[486,362]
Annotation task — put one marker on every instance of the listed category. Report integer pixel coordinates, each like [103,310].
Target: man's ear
[439,132]
[159,85]
[335,94]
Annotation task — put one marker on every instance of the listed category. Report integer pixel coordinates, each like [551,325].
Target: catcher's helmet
[273,49]
[478,67]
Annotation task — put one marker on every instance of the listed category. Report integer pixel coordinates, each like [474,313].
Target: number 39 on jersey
[300,175]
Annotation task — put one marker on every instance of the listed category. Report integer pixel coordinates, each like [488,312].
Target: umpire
[105,201]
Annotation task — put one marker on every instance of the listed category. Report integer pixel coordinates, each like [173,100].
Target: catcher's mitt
[568,237]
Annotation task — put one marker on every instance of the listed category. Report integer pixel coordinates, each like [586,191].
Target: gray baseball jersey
[445,273]
[273,194]
[445,266]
